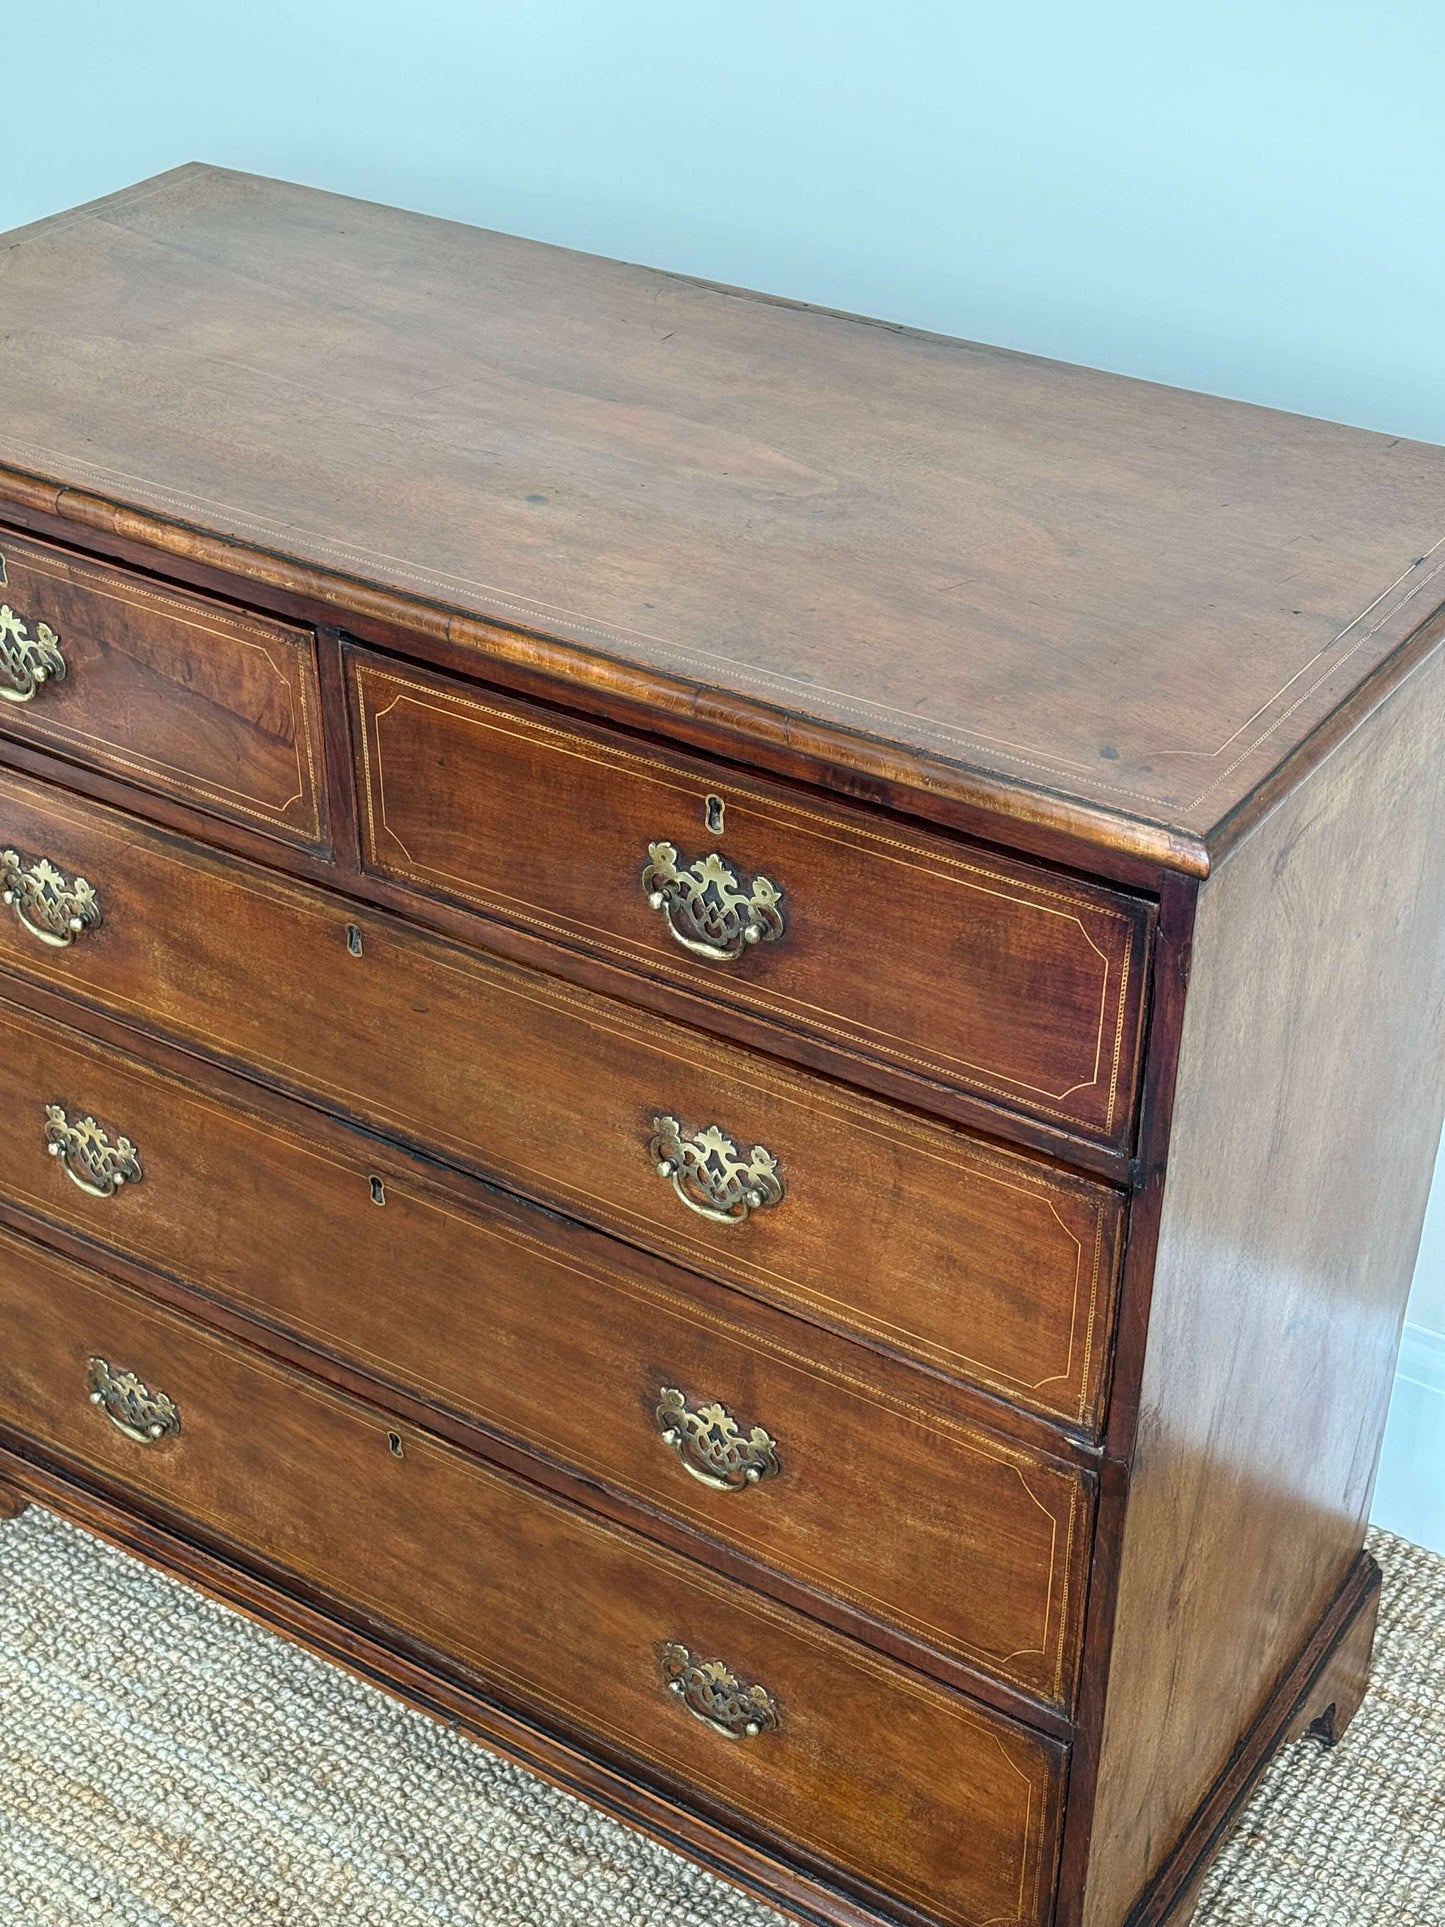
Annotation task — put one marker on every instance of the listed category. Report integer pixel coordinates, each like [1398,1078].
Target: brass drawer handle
[712,1447]
[26,663]
[52,907]
[709,1173]
[99,1167]
[715,1696]
[132,1408]
[707,906]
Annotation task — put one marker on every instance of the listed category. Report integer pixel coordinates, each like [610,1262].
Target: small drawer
[995,1268]
[752,1429]
[973,971]
[163,689]
[799,1733]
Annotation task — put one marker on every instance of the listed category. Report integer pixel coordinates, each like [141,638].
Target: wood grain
[1023,985]
[595,969]
[1091,732]
[172,692]
[803,1886]
[1320,1694]
[1168,990]
[993,1268]
[728,729]
[983,1552]
[1086,598]
[1307,1112]
[914,1790]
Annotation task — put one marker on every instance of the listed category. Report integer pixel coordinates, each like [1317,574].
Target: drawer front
[163,689]
[897,1780]
[556,1342]
[976,972]
[992,1267]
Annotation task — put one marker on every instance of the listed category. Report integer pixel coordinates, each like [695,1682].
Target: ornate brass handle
[26,663]
[707,906]
[711,1444]
[53,907]
[710,1174]
[712,1694]
[91,1160]
[132,1408]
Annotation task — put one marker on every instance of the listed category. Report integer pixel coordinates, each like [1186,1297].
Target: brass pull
[715,1696]
[707,906]
[132,1408]
[712,1447]
[52,907]
[26,663]
[91,1161]
[710,1174]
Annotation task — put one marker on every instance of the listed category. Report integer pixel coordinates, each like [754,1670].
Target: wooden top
[1091,602]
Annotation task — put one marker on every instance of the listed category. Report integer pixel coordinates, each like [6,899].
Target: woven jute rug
[168,1764]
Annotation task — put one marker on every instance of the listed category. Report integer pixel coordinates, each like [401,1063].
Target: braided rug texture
[169,1764]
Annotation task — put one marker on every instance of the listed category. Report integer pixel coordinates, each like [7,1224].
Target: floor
[169,1764]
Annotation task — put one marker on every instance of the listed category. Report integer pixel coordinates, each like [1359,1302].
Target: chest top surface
[1084,591]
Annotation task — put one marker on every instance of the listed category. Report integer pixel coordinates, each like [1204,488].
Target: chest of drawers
[719,1029]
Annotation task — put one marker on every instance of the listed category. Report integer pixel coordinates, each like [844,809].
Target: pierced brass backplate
[711,1444]
[52,907]
[132,1408]
[91,1160]
[27,662]
[712,1694]
[707,906]
[710,1174]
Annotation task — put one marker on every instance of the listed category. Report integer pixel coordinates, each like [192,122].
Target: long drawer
[555,1341]
[977,971]
[804,1735]
[162,688]
[994,1268]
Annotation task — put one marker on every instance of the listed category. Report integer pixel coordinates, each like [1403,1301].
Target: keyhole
[395,1446]
[713,813]
[353,939]
[378,1191]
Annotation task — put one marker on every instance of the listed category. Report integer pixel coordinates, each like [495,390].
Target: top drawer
[162,688]
[972,971]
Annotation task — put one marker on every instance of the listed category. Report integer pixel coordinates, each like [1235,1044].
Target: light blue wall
[1410,1497]
[1247,197]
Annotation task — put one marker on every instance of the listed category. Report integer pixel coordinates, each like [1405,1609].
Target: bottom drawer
[818,1743]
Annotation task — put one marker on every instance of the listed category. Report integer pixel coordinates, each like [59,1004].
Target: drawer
[161,688]
[564,1343]
[995,1268]
[901,1782]
[971,971]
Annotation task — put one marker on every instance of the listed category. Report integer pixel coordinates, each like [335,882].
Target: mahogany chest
[719,1028]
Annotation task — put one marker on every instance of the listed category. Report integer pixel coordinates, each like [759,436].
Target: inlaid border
[603,1015]
[1064,1518]
[1034,1869]
[183,610]
[916,858]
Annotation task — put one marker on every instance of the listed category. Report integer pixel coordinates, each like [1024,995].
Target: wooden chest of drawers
[719,1030]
